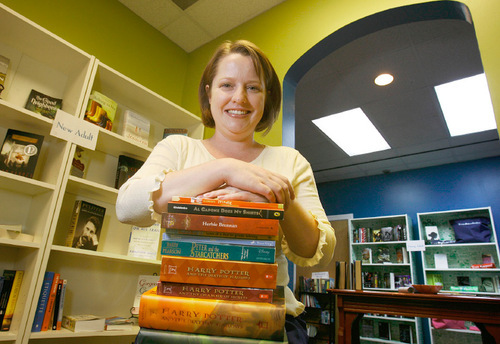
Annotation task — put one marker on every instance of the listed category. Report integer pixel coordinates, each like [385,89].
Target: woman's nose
[240,95]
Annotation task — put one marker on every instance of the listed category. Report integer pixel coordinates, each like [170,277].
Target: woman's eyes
[251,88]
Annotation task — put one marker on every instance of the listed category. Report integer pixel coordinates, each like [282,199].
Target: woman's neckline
[203,144]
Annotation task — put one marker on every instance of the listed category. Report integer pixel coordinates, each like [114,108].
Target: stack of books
[218,275]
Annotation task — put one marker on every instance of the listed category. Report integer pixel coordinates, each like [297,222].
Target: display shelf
[65,333]
[90,189]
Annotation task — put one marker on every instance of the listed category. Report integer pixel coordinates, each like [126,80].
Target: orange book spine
[213,317]
[50,303]
[220,224]
[233,203]
[218,272]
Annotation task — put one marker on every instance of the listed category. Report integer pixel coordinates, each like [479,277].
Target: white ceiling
[199,23]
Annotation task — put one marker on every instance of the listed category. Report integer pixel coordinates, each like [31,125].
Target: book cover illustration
[80,163]
[135,127]
[4,66]
[86,224]
[20,152]
[101,110]
[43,104]
[218,272]
[214,317]
[219,224]
[127,167]
[144,241]
[202,209]
[215,292]
[174,131]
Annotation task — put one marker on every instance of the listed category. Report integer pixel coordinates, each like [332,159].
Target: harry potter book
[214,317]
[218,272]
[20,151]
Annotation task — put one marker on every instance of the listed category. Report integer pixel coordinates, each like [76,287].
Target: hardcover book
[83,323]
[101,110]
[201,209]
[215,292]
[135,127]
[13,297]
[144,283]
[206,249]
[220,224]
[144,241]
[43,104]
[127,167]
[218,272]
[214,317]
[86,224]
[174,131]
[20,151]
[80,163]
[151,336]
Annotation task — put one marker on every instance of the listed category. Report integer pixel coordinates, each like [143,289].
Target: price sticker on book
[75,130]
[415,245]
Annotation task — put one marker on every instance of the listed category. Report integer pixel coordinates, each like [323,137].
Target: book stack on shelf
[10,286]
[49,311]
[218,275]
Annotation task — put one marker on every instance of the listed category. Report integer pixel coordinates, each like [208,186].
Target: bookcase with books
[36,211]
[461,254]
[380,243]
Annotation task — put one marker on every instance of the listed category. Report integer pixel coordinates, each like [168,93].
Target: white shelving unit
[101,282]
[459,257]
[395,266]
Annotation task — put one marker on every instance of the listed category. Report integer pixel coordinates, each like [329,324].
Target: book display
[461,254]
[42,205]
[380,244]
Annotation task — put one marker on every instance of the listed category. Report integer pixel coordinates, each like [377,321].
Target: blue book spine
[42,301]
[218,251]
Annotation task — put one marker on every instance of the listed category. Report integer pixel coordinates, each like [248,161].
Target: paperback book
[127,167]
[20,152]
[8,281]
[144,241]
[218,272]
[202,209]
[80,163]
[228,203]
[135,127]
[101,110]
[12,300]
[86,225]
[215,292]
[43,104]
[83,323]
[214,317]
[144,283]
[42,301]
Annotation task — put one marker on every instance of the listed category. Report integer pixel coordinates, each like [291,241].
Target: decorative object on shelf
[427,289]
[86,224]
[101,110]
[43,104]
[4,66]
[174,131]
[135,127]
[20,152]
[80,163]
[127,167]
[143,241]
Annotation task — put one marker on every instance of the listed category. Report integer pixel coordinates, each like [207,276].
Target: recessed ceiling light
[384,79]
[353,132]
[466,105]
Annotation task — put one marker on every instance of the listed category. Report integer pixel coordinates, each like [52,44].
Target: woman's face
[237,97]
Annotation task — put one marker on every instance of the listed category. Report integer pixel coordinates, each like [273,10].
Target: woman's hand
[233,193]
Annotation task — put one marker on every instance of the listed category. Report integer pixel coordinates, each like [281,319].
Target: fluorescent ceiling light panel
[466,105]
[352,131]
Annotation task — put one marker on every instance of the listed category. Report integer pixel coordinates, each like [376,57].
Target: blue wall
[471,184]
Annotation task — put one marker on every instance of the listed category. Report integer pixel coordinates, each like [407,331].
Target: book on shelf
[316,285]
[202,209]
[483,266]
[376,235]
[387,233]
[341,275]
[440,261]
[101,110]
[466,288]
[218,272]
[83,323]
[405,333]
[58,311]
[43,104]
[144,241]
[86,224]
[135,127]
[431,233]
[366,255]
[12,300]
[206,224]
[357,275]
[434,278]
[80,163]
[8,281]
[219,248]
[127,167]
[214,317]
[487,258]
[4,66]
[144,283]
[117,323]
[383,255]
[367,328]
[228,203]
[204,291]
[487,285]
[399,233]
[174,131]
[49,311]
[152,336]
[42,301]
[402,255]
[20,152]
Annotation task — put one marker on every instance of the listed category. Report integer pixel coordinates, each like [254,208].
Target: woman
[239,94]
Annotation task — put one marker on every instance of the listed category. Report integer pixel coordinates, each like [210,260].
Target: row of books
[382,330]
[383,255]
[218,273]
[10,286]
[388,280]
[49,311]
[488,284]
[368,234]
[315,285]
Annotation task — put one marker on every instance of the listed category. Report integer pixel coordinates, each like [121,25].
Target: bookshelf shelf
[64,333]
[19,243]
[27,186]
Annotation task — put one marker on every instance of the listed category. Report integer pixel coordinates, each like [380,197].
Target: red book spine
[220,224]
[215,292]
[218,272]
[234,203]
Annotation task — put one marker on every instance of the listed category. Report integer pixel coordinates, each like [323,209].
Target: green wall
[121,40]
